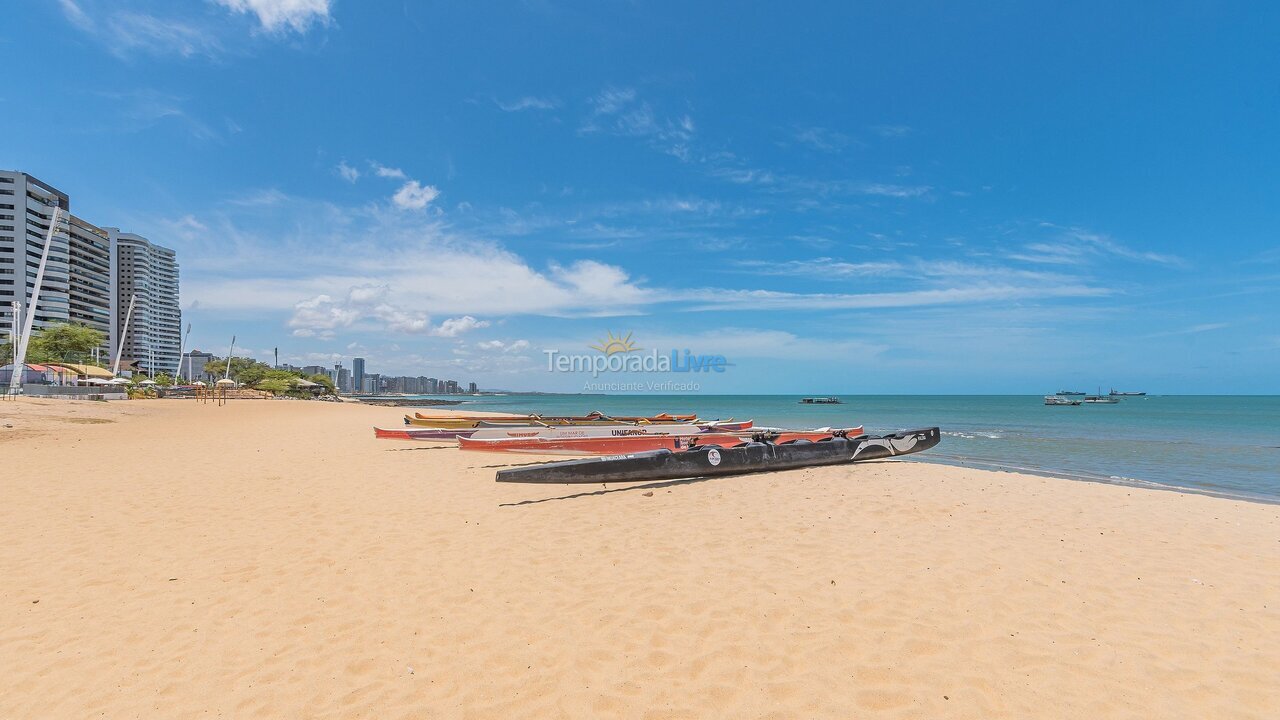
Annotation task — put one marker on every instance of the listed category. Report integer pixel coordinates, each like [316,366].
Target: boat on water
[1060,400]
[645,443]
[821,401]
[1070,393]
[1130,393]
[1100,400]
[710,460]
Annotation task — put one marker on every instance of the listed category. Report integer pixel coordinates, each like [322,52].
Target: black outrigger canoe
[711,460]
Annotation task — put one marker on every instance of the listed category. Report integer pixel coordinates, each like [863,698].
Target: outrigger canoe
[526,431]
[641,443]
[603,431]
[593,418]
[710,460]
[421,433]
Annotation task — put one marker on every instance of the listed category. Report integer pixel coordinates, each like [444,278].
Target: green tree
[277,381]
[326,381]
[245,371]
[61,342]
[164,380]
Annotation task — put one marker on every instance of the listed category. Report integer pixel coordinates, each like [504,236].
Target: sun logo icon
[612,345]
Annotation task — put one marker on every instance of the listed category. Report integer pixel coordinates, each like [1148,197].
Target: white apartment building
[149,273]
[26,207]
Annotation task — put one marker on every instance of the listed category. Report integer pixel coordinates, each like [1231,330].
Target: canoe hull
[710,461]
[600,431]
[416,433]
[629,444]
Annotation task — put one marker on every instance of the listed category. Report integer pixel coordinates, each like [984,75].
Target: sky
[837,197]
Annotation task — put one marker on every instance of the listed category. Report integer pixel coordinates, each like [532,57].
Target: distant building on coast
[344,380]
[357,374]
[471,388]
[193,363]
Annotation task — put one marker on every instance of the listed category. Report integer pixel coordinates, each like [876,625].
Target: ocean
[1222,445]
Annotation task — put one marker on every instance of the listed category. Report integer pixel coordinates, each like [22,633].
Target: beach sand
[167,559]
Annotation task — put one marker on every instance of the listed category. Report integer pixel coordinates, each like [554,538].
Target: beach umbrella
[118,381]
[148,382]
[225,382]
[201,383]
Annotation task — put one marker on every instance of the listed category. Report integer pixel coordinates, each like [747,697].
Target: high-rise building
[147,273]
[357,374]
[344,380]
[91,294]
[26,208]
[471,388]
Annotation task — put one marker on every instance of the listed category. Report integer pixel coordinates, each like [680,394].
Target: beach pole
[230,350]
[115,368]
[20,353]
[177,376]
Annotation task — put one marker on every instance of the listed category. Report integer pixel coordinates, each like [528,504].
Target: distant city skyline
[838,198]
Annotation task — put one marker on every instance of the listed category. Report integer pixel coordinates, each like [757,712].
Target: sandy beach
[272,559]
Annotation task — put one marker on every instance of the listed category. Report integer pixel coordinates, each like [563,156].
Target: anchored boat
[703,461]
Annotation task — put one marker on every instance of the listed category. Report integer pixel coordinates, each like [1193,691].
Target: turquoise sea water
[1218,444]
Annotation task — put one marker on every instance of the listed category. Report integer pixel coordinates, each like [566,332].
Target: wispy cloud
[346,172]
[891,131]
[620,111]
[822,139]
[414,195]
[1076,246]
[144,109]
[383,171]
[283,15]
[126,32]
[528,102]
[1192,330]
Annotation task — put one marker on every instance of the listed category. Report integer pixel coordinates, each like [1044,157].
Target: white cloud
[414,196]
[1076,246]
[528,102]
[897,191]
[75,15]
[383,171]
[280,15]
[822,139]
[346,172]
[511,347]
[453,327]
[892,131]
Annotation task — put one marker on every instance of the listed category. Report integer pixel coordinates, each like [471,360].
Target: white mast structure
[20,350]
[230,350]
[181,345]
[115,369]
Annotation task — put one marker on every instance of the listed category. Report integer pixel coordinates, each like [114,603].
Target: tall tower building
[357,374]
[26,208]
[91,296]
[149,273]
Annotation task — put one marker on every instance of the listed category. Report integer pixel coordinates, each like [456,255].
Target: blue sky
[908,197]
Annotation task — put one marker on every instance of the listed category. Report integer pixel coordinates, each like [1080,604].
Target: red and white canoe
[421,433]
[638,443]
[554,432]
[527,431]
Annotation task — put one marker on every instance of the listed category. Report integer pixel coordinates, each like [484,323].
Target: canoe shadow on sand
[650,486]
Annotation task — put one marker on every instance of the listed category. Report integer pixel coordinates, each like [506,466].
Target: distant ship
[1059,400]
[1071,393]
[821,401]
[1126,394]
[1100,400]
